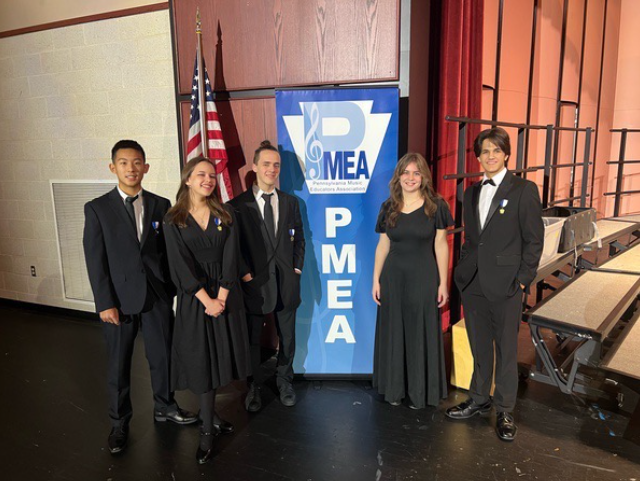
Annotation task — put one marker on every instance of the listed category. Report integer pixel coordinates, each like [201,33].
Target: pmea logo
[337,144]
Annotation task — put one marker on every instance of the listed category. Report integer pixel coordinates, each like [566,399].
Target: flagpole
[202,93]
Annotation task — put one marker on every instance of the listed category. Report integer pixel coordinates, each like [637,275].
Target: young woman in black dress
[409,286]
[210,339]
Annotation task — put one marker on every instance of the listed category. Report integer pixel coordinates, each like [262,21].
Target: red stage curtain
[457,77]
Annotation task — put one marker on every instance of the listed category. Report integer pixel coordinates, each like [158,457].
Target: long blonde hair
[396,201]
[179,213]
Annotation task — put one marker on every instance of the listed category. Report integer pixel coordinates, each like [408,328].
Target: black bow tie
[489,181]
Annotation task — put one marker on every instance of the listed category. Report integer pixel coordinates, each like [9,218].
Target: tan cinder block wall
[66,96]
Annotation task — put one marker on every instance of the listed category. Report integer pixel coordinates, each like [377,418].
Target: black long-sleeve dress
[207,352]
[409,353]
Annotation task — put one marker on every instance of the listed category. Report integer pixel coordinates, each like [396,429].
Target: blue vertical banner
[339,148]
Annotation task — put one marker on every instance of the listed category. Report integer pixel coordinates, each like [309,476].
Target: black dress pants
[492,324]
[286,327]
[156,326]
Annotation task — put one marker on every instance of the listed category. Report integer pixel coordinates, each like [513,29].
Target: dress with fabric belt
[208,352]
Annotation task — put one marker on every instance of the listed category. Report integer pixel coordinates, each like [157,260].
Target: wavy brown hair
[179,213]
[396,202]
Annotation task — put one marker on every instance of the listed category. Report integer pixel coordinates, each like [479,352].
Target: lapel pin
[218,223]
[503,204]
[156,226]
[292,232]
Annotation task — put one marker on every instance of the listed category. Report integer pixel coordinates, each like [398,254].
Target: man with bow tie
[503,241]
[126,260]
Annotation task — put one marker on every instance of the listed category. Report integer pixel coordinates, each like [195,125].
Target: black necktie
[128,204]
[268,215]
[490,182]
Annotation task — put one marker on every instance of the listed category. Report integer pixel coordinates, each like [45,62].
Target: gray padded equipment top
[623,358]
[627,261]
[610,230]
[628,218]
[589,305]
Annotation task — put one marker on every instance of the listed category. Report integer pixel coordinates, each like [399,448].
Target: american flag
[216,150]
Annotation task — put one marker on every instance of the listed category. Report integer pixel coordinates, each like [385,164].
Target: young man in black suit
[126,260]
[504,235]
[272,245]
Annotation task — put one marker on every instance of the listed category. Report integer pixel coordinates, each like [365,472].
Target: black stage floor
[54,426]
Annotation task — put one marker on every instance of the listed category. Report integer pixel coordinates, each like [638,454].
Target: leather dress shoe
[253,401]
[287,395]
[505,426]
[118,439]
[468,409]
[223,427]
[179,416]
[203,456]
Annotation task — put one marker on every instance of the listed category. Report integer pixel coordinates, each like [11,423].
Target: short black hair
[127,144]
[497,136]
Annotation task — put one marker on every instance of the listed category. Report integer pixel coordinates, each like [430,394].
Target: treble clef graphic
[313,146]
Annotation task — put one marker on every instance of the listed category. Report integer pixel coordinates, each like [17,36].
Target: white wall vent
[69,198]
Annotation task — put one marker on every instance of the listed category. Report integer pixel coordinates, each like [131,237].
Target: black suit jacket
[261,255]
[507,251]
[121,267]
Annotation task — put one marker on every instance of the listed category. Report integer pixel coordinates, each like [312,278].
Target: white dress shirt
[138,209]
[257,192]
[487,193]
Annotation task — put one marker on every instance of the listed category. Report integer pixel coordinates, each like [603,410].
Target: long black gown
[408,353]
[207,352]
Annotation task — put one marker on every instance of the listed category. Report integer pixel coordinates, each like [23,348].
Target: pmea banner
[339,148]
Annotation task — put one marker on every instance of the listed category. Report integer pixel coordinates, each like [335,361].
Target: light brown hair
[179,213]
[396,202]
[264,145]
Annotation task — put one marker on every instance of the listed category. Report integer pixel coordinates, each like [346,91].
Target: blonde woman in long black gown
[210,339]
[409,286]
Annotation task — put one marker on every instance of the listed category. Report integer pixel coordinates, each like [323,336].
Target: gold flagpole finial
[198,23]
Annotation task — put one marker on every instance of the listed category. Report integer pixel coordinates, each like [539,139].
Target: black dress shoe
[118,439]
[179,416]
[468,409]
[287,395]
[253,401]
[204,455]
[506,428]
[223,427]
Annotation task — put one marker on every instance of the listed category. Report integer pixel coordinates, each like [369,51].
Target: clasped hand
[214,307]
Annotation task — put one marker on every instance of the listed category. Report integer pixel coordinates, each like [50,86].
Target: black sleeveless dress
[408,353]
